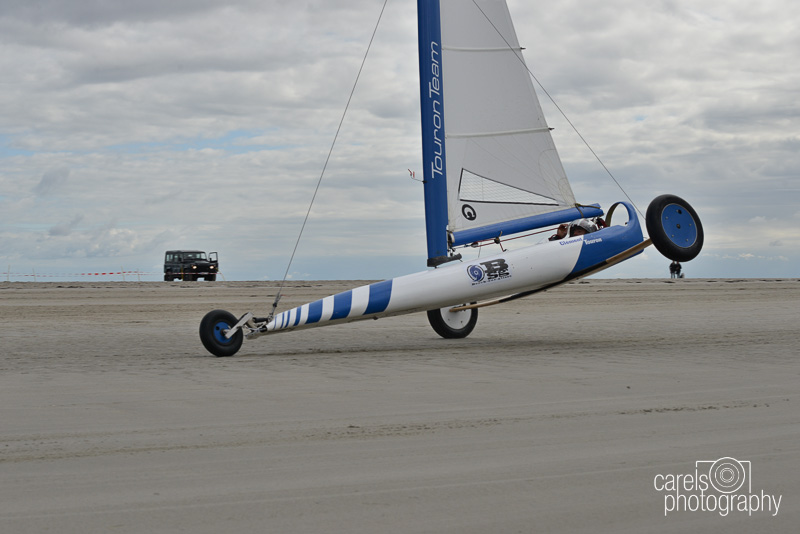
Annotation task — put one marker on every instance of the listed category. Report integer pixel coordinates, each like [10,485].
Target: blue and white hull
[490,170]
[520,271]
[450,293]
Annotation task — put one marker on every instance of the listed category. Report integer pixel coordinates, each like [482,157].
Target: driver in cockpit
[578,227]
[581,227]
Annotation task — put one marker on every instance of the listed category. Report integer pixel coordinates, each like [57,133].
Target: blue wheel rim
[679,225]
[219,333]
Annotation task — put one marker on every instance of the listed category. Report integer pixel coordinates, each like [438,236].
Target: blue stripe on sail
[523,225]
[297,314]
[379,295]
[342,304]
[314,312]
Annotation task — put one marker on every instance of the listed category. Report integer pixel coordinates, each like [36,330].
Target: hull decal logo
[489,271]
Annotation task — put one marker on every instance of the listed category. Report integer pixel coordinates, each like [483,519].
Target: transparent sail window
[474,188]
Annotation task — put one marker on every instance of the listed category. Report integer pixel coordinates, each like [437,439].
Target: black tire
[213,337]
[211,278]
[167,278]
[454,325]
[674,227]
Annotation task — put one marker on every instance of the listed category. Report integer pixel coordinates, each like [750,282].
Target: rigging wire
[327,159]
[561,111]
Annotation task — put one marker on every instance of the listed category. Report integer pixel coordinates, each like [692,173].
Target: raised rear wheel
[674,227]
[453,325]
[212,333]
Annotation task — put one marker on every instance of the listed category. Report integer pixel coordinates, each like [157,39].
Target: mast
[433,138]
[497,171]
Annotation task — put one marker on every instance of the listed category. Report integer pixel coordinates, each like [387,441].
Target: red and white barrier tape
[6,275]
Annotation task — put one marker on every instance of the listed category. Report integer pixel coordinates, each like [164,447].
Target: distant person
[675,270]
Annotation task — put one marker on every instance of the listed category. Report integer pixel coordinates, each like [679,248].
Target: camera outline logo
[728,475]
[723,486]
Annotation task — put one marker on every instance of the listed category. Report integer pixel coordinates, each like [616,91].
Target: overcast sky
[131,128]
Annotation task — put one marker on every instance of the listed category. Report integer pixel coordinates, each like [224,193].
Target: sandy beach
[563,412]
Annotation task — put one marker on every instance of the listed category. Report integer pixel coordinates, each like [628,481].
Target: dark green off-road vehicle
[189,265]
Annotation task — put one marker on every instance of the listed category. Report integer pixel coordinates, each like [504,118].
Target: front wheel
[674,228]
[453,325]
[212,333]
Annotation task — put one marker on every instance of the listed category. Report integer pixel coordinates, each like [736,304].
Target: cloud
[745,256]
[65,229]
[199,124]
[106,242]
[51,181]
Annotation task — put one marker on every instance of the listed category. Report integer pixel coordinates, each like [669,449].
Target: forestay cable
[327,159]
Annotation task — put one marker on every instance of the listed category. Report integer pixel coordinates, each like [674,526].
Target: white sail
[490,168]
[501,162]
